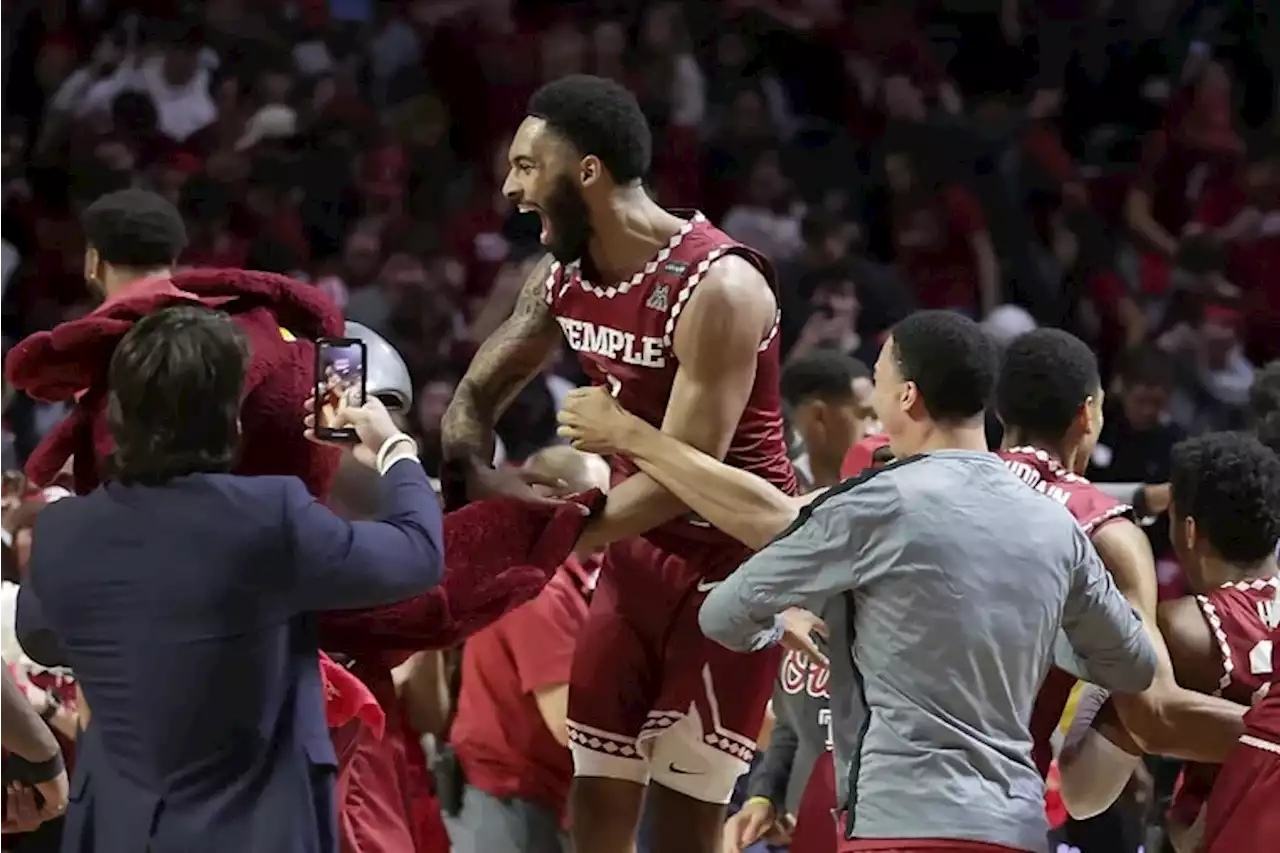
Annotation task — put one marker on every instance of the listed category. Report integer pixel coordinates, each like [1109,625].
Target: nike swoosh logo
[707,586]
[680,771]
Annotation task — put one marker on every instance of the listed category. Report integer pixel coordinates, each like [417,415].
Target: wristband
[37,772]
[764,801]
[390,444]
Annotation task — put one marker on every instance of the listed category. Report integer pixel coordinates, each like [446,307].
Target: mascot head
[386,374]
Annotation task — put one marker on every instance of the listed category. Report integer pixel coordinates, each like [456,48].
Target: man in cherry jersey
[508,732]
[1242,808]
[1194,151]
[1225,526]
[680,323]
[1049,398]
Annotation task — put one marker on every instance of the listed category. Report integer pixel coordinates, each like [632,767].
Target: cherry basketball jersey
[1093,509]
[1244,619]
[623,334]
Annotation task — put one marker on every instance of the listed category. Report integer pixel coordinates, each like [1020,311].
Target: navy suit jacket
[186,612]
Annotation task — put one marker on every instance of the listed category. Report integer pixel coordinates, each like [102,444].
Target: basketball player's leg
[613,683]
[707,717]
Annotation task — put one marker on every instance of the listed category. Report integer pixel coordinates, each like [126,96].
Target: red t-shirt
[932,237]
[498,734]
[1176,172]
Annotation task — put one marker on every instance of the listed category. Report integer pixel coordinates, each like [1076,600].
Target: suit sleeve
[1106,634]
[341,565]
[34,634]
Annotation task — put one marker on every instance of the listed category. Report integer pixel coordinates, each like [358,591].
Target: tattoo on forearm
[501,368]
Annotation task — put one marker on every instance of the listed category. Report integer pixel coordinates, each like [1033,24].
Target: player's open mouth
[544,235]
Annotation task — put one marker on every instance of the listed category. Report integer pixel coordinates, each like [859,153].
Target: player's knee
[683,762]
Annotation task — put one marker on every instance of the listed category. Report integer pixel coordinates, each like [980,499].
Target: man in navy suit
[184,598]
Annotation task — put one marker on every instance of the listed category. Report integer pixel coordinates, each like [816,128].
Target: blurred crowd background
[1106,166]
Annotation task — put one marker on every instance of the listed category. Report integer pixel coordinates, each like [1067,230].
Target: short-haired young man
[955,578]
[828,397]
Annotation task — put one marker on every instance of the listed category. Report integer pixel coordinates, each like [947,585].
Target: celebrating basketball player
[681,323]
[1224,527]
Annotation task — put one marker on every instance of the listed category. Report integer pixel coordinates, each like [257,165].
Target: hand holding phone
[339,384]
[371,424]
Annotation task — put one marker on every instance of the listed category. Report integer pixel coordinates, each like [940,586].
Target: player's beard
[569,220]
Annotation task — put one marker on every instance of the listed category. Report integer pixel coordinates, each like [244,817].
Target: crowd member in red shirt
[509,736]
[941,240]
[1243,217]
[1194,151]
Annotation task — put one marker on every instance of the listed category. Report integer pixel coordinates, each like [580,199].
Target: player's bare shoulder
[733,299]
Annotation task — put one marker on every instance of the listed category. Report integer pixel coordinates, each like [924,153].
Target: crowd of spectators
[1105,166]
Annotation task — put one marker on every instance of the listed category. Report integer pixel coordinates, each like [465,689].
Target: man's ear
[590,170]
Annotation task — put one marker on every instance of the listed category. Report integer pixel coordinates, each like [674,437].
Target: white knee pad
[600,754]
[680,758]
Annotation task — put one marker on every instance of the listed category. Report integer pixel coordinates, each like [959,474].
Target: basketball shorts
[651,698]
[1243,815]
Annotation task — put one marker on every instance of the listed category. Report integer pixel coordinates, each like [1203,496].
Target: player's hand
[519,483]
[21,814]
[798,629]
[372,423]
[54,793]
[593,421]
[755,821]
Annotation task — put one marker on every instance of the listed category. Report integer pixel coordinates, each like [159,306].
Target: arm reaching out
[1103,629]
[738,503]
[1165,719]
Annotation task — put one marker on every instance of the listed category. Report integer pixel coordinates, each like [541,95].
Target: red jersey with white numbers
[1093,509]
[623,334]
[1244,619]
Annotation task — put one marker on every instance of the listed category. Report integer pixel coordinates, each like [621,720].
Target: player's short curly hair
[598,117]
[135,228]
[1046,376]
[951,360]
[1229,482]
[822,375]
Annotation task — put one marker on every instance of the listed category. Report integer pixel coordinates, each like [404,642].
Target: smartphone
[340,382]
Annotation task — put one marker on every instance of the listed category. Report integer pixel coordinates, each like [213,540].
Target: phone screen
[340,382]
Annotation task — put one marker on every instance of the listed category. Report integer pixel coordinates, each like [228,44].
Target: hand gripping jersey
[1243,618]
[1093,509]
[623,334]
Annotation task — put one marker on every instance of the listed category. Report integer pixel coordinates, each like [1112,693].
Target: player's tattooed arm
[1167,718]
[504,364]
[716,344]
